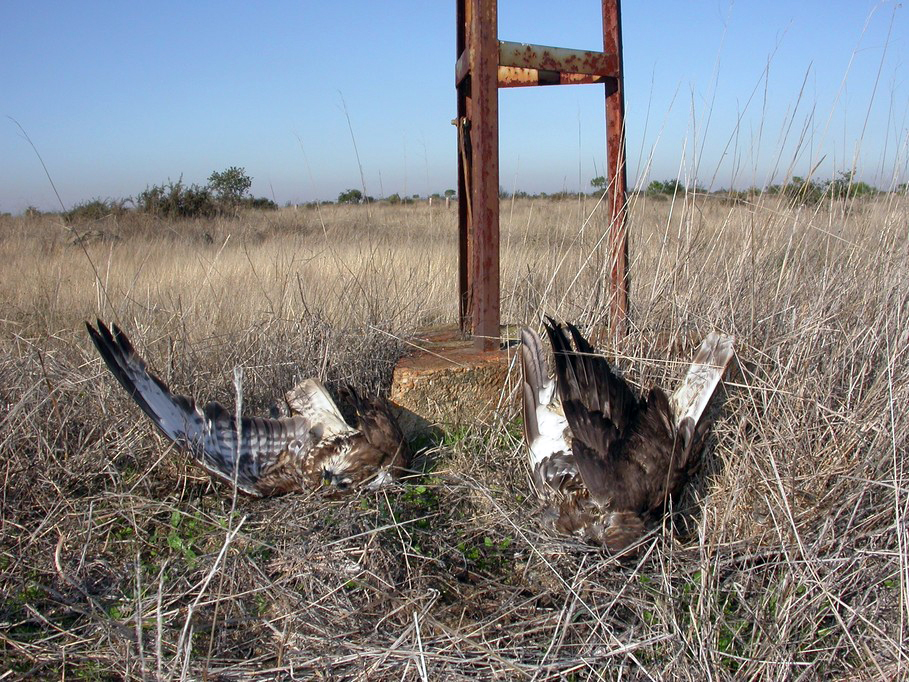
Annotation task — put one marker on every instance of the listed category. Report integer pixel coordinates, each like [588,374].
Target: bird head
[337,479]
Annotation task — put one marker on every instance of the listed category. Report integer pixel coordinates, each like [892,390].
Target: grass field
[789,559]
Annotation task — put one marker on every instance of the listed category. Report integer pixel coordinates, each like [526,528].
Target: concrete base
[447,383]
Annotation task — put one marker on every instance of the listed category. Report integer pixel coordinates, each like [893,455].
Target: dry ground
[118,559]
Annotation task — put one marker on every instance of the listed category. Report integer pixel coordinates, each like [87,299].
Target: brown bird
[312,447]
[605,463]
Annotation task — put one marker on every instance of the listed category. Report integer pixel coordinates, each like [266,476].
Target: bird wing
[655,448]
[531,379]
[263,456]
[389,451]
[585,377]
[706,371]
[533,366]
[600,409]
[545,427]
[670,431]
[310,400]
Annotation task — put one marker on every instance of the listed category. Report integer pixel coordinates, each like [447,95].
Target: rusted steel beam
[543,57]
[484,135]
[615,158]
[464,164]
[516,77]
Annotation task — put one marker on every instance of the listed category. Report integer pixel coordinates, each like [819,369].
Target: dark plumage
[311,447]
[605,462]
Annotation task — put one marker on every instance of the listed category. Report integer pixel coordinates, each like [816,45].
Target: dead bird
[605,462]
[311,447]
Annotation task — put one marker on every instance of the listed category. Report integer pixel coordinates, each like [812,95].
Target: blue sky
[117,96]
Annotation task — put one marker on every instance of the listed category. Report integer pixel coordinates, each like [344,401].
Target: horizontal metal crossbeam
[560,59]
[527,64]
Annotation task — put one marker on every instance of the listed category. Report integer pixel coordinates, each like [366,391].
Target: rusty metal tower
[485,64]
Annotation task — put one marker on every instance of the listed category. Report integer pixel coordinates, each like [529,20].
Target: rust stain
[515,77]
[560,59]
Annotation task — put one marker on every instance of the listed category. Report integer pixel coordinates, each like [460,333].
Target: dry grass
[119,560]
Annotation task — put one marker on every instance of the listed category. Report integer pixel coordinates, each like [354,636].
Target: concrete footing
[445,382]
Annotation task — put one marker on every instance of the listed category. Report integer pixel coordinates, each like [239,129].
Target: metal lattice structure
[485,64]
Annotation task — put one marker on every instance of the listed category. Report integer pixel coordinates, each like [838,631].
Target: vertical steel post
[464,184]
[484,131]
[615,159]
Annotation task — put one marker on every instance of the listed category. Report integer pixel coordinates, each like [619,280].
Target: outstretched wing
[545,427]
[263,456]
[669,436]
[601,410]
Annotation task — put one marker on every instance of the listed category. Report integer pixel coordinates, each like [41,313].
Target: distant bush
[396,199]
[350,196]
[665,187]
[95,210]
[846,187]
[800,191]
[225,192]
[176,200]
[671,187]
[260,203]
[230,186]
[737,196]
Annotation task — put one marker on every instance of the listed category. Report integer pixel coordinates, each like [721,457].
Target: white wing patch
[551,439]
[310,400]
[545,426]
[706,371]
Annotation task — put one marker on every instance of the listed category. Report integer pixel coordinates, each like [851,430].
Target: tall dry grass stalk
[789,559]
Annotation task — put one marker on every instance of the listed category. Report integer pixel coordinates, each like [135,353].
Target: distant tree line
[844,186]
[226,192]
[797,189]
[355,196]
